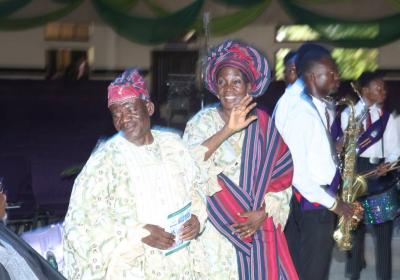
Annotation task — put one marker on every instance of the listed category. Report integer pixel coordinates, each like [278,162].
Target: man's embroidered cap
[130,84]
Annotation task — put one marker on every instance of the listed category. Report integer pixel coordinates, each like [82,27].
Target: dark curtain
[164,63]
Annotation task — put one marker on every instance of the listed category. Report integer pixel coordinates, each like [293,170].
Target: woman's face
[231,87]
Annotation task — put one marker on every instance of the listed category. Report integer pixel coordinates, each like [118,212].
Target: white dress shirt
[323,110]
[304,131]
[389,148]
[286,102]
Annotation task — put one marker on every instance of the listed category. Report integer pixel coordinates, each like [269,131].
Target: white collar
[375,107]
[319,102]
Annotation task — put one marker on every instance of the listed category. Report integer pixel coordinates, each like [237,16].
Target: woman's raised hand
[239,117]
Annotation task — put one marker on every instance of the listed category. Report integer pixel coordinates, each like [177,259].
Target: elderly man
[18,261]
[137,203]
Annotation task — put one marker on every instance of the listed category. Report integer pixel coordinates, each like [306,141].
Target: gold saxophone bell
[342,235]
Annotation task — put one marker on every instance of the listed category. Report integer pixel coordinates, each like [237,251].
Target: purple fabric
[336,128]
[332,190]
[373,133]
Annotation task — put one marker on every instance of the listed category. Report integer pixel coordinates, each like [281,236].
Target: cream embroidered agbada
[122,188]
[226,159]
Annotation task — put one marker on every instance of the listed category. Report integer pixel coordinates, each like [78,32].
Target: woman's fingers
[249,120]
[250,107]
[245,100]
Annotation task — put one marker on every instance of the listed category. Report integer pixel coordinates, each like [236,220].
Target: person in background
[82,70]
[137,200]
[248,166]
[379,143]
[288,101]
[289,72]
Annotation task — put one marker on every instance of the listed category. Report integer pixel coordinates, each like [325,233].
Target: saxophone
[353,186]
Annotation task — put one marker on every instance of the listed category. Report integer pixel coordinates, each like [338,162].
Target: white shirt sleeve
[301,135]
[391,139]
[286,102]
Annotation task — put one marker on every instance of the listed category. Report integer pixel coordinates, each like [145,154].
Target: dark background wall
[48,126]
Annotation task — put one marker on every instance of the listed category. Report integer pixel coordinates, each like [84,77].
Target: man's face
[133,118]
[326,77]
[289,73]
[231,87]
[375,92]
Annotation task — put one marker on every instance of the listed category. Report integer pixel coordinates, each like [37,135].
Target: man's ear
[150,108]
[310,77]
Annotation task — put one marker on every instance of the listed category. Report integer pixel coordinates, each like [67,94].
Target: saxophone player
[378,143]
[306,131]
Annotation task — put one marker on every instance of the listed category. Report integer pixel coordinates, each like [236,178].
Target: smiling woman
[238,147]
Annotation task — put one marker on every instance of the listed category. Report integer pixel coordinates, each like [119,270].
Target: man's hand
[239,118]
[382,169]
[158,237]
[252,224]
[343,209]
[358,213]
[3,205]
[190,229]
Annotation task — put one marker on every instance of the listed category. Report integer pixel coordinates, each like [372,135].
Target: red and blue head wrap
[248,60]
[128,86]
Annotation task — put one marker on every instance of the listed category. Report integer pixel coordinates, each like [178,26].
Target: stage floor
[338,260]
